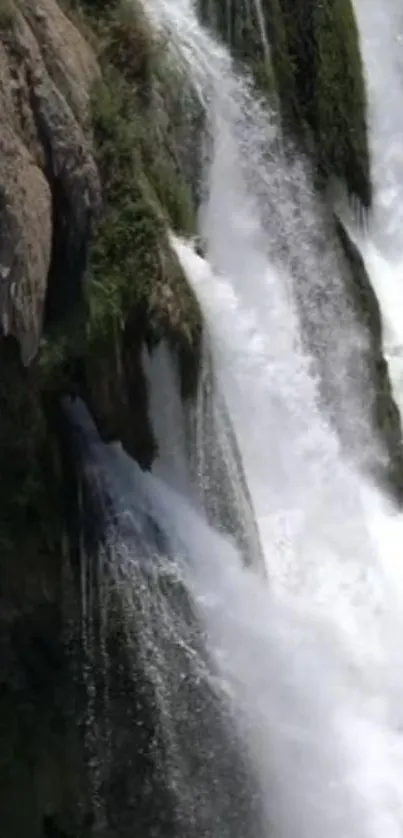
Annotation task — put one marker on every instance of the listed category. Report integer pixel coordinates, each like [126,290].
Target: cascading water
[276,212]
[198,451]
[323,527]
[276,708]
[189,773]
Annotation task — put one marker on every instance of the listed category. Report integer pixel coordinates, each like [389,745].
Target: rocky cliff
[89,180]
[100,146]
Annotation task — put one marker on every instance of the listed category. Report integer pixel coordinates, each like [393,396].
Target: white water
[327,763]
[313,663]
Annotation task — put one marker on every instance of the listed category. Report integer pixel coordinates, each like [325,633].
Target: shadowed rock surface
[101,151]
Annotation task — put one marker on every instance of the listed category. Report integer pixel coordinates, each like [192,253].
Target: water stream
[296,680]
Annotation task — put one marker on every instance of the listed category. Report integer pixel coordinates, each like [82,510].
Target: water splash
[241,676]
[274,295]
[198,452]
[275,211]
[308,668]
[188,771]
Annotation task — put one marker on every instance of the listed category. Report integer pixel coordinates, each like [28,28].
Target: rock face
[100,146]
[48,179]
[75,309]
[49,189]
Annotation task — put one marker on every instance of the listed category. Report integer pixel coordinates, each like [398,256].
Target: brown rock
[48,178]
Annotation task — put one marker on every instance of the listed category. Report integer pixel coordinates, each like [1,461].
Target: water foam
[312,664]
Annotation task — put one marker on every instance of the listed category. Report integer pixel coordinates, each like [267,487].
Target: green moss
[128,44]
[136,291]
[340,121]
[327,101]
[318,74]
[131,260]
[321,85]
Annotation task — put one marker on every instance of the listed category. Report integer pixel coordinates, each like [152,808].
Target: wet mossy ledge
[99,102]
[123,288]
[314,75]
[136,293]
[133,291]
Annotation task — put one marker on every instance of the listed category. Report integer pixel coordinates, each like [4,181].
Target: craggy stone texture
[48,191]
[48,179]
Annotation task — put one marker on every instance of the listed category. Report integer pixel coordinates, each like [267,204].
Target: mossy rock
[136,291]
[326,103]
[340,122]
[133,267]
[318,75]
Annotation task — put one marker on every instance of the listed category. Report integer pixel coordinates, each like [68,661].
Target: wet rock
[48,179]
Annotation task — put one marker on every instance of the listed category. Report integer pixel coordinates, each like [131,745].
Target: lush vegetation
[135,288]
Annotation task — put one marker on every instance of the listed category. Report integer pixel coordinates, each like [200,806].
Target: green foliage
[129,253]
[129,44]
[133,274]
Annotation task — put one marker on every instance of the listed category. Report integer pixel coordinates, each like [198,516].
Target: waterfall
[240,705]
[244,710]
[198,450]
[275,211]
[175,763]
[290,357]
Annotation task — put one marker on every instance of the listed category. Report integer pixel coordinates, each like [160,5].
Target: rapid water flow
[309,663]
[327,533]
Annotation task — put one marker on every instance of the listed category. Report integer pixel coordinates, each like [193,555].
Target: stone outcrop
[99,158]
[49,189]
[48,178]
